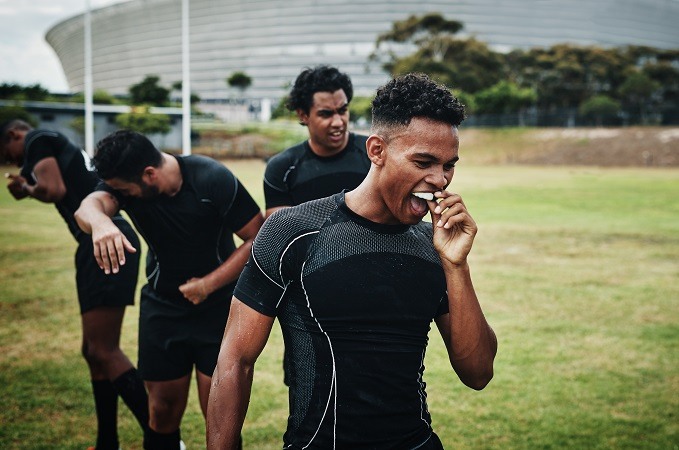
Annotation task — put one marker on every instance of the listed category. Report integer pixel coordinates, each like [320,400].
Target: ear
[302,116]
[149,174]
[376,148]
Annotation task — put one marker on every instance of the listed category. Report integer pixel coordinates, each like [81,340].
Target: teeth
[424,195]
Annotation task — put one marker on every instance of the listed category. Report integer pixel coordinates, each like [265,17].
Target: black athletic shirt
[298,175]
[74,167]
[191,233]
[355,300]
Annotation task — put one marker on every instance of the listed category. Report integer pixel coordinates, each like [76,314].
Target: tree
[149,92]
[239,80]
[193,98]
[99,97]
[144,122]
[637,93]
[504,97]
[465,64]
[17,112]
[13,91]
[601,109]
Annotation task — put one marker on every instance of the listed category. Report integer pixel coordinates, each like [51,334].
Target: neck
[171,176]
[367,202]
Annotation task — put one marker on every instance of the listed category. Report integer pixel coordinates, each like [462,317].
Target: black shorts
[173,337]
[95,288]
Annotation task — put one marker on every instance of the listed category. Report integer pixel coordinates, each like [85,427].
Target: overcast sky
[25,57]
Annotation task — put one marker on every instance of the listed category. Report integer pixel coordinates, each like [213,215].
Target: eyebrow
[435,159]
[346,105]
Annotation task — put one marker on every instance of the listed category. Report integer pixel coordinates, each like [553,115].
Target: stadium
[271,41]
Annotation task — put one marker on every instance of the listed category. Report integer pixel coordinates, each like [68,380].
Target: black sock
[161,441]
[106,406]
[131,388]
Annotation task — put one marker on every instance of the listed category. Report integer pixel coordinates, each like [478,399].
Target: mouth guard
[424,195]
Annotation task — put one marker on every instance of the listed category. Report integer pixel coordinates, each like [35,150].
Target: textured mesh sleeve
[278,254]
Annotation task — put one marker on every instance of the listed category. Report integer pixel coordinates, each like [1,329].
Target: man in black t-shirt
[355,281]
[53,170]
[332,159]
[187,209]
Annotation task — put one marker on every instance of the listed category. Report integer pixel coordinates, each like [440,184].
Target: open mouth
[418,202]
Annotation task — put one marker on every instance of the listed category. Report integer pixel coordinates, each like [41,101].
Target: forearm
[229,398]
[91,212]
[229,270]
[41,193]
[472,342]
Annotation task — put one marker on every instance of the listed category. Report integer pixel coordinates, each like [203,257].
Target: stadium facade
[271,41]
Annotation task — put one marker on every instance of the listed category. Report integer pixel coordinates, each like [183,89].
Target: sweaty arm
[94,217]
[470,340]
[196,290]
[244,338]
[49,185]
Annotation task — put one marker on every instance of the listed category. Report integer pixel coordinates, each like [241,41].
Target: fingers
[450,210]
[109,251]
[194,290]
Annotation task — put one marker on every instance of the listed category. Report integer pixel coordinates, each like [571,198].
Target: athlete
[332,159]
[355,280]
[54,170]
[187,209]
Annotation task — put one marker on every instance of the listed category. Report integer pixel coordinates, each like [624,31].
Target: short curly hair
[414,95]
[319,79]
[125,154]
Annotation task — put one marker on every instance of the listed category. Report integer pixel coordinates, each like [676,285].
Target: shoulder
[287,157]
[201,169]
[287,224]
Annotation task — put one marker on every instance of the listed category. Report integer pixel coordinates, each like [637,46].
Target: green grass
[577,270]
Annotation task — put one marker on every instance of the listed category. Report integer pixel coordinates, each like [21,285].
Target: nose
[438,178]
[337,119]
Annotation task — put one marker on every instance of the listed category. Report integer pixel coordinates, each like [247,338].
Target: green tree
[144,122]
[465,64]
[504,97]
[360,108]
[239,80]
[99,97]
[148,91]
[601,109]
[637,93]
[17,112]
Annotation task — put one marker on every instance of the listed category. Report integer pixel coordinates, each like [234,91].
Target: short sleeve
[276,192]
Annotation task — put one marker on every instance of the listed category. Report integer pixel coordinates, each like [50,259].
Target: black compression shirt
[297,174]
[355,300]
[191,233]
[73,165]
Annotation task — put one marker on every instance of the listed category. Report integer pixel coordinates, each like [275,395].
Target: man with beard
[355,280]
[187,209]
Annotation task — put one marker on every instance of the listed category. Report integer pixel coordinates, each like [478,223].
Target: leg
[101,335]
[167,402]
[101,348]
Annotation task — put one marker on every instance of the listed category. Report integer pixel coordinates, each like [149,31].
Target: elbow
[479,381]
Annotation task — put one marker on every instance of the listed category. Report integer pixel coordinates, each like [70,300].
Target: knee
[96,354]
[165,413]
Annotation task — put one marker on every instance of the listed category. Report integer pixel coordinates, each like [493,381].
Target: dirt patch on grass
[635,146]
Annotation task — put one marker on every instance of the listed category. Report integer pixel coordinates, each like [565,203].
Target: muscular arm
[470,340]
[49,185]
[94,217]
[197,290]
[244,338]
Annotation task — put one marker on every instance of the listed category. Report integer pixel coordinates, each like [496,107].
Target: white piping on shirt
[333,384]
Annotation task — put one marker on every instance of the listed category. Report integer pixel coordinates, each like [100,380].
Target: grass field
[577,270]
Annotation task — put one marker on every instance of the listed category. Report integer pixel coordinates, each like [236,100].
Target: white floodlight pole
[89,115]
[186,86]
